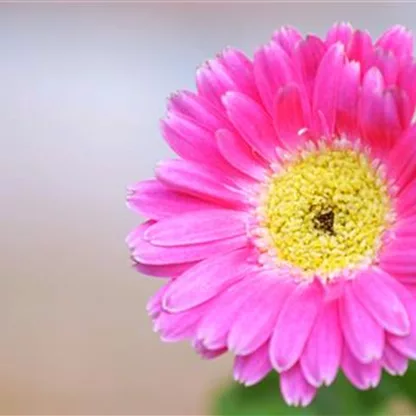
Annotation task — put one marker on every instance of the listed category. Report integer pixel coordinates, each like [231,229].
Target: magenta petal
[407,82]
[240,155]
[154,304]
[406,204]
[340,32]
[272,70]
[307,56]
[397,40]
[196,227]
[388,66]
[291,114]
[295,389]
[205,280]
[152,199]
[253,123]
[146,253]
[198,109]
[250,369]
[405,108]
[287,38]
[256,320]
[362,376]
[199,181]
[291,334]
[241,68]
[393,362]
[364,336]
[178,326]
[401,164]
[347,100]
[166,270]
[406,345]
[213,80]
[196,144]
[207,353]
[327,81]
[216,324]
[322,355]
[230,71]
[360,49]
[189,140]
[379,115]
[383,303]
[136,235]
[400,261]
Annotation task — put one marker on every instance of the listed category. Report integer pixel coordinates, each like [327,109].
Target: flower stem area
[394,396]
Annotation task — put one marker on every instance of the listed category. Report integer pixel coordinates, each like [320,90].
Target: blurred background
[83,87]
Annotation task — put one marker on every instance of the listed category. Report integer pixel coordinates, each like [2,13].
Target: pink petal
[404,108]
[322,355]
[199,181]
[154,304]
[379,117]
[406,204]
[364,336]
[230,71]
[189,140]
[406,345]
[205,280]
[240,155]
[287,38]
[167,270]
[241,68]
[340,32]
[397,40]
[195,143]
[362,376]
[400,261]
[407,82]
[388,66]
[179,326]
[216,324]
[206,353]
[197,227]
[256,320]
[381,301]
[327,82]
[137,233]
[291,334]
[272,70]
[152,199]
[294,388]
[147,253]
[213,80]
[291,114]
[250,369]
[347,100]
[393,362]
[401,164]
[360,48]
[254,125]
[197,109]
[308,56]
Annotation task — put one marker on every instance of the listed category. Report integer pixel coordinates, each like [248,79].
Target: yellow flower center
[326,212]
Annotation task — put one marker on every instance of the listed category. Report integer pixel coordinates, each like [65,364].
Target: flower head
[286,228]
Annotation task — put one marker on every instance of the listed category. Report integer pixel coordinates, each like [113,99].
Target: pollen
[326,211]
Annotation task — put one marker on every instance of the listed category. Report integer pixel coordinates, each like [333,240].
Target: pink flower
[286,228]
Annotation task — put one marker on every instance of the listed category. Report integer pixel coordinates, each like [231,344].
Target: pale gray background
[82,89]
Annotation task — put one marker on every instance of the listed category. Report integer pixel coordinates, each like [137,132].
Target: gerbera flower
[286,228]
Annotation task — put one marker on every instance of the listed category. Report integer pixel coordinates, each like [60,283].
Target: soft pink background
[82,89]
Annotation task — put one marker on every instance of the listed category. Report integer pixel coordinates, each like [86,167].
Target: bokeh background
[82,89]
